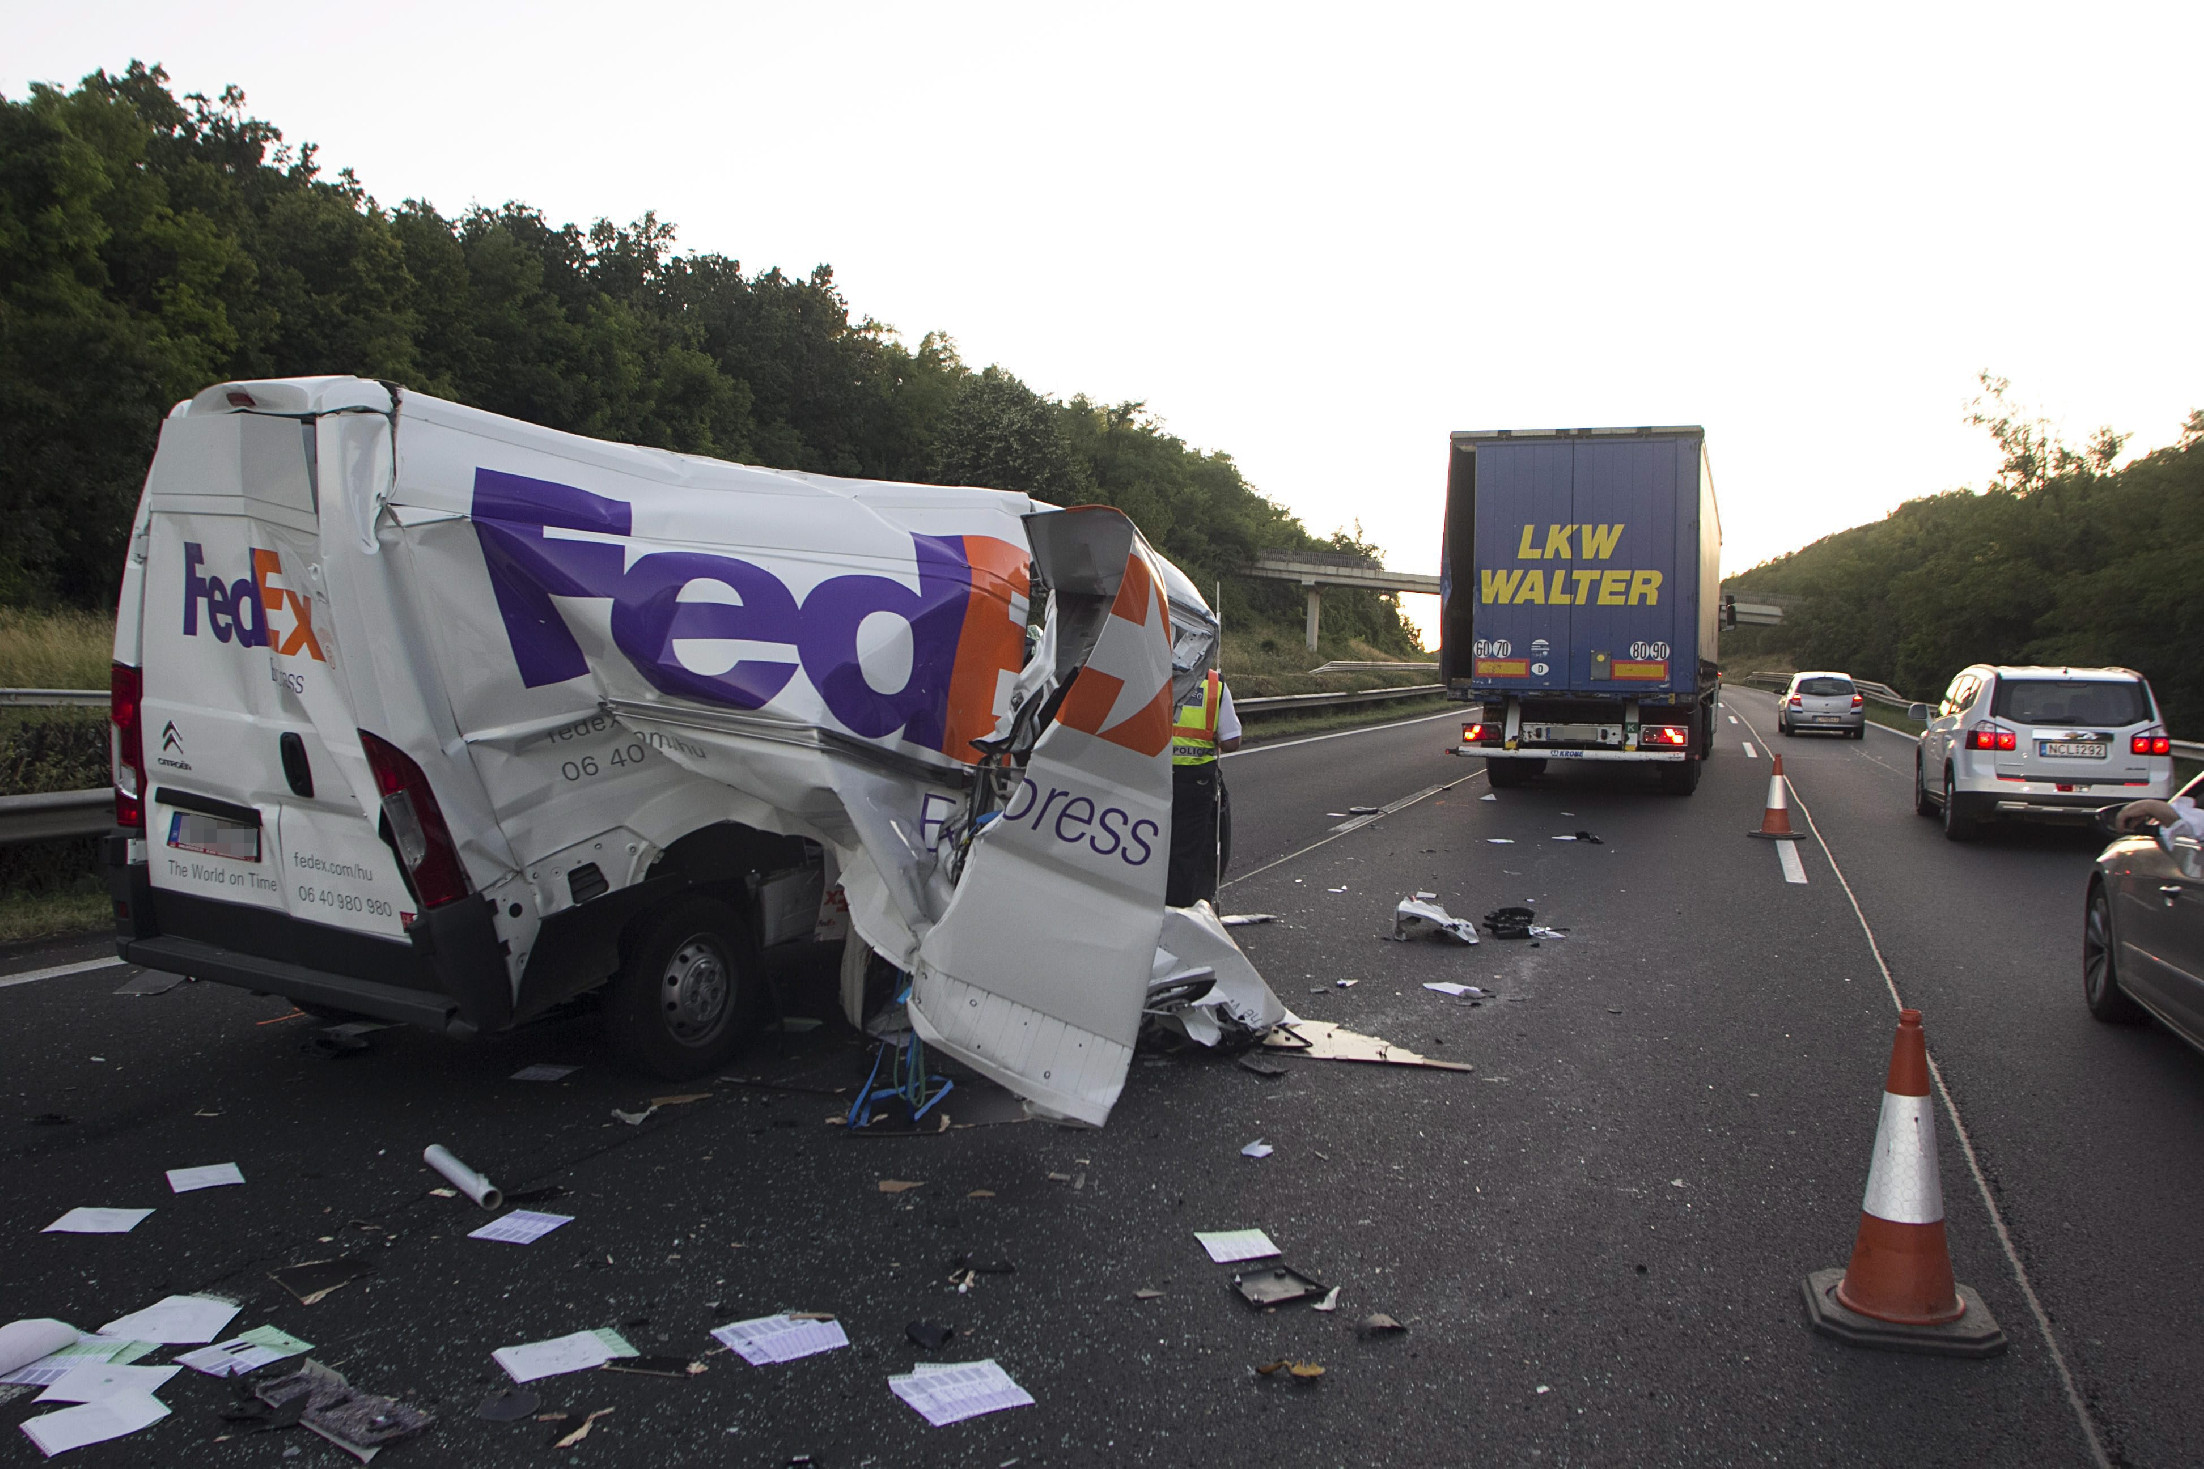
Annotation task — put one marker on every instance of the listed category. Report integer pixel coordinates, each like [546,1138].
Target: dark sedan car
[2143,934]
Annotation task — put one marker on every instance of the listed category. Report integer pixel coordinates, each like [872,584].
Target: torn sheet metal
[1422,917]
[1321,1040]
[1235,1004]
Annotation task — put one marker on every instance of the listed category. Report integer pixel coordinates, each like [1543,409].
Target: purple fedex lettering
[517,520]
[233,609]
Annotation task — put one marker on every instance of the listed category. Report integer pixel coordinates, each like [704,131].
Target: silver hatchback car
[1825,701]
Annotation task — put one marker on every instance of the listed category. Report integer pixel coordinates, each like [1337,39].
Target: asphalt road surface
[1595,1238]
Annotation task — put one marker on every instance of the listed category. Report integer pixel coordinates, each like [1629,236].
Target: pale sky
[1318,238]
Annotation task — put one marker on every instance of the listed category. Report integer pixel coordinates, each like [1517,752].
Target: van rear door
[259,791]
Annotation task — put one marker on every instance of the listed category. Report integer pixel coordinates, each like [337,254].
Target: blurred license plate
[189,831]
[2073,749]
[1827,718]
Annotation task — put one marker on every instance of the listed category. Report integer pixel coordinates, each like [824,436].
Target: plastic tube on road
[465,1179]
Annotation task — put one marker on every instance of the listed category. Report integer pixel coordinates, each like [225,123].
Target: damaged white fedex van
[432,716]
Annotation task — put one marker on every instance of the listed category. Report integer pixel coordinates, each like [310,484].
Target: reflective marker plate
[2073,749]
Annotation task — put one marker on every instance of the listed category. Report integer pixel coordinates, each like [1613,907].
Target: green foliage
[59,649]
[52,750]
[150,246]
[2063,560]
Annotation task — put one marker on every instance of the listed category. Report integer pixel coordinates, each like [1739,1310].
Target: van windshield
[2111,702]
[1825,686]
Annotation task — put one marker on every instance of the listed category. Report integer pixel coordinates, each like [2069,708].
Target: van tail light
[1987,736]
[417,827]
[2151,742]
[1480,734]
[126,743]
[1669,736]
[1857,701]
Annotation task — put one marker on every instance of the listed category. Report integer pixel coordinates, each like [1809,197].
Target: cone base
[1776,836]
[1975,1334]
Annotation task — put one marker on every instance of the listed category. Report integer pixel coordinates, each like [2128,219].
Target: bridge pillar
[1316,610]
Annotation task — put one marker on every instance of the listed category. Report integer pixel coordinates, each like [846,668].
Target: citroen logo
[170,740]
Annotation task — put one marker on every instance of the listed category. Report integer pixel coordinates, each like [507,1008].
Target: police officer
[1201,812]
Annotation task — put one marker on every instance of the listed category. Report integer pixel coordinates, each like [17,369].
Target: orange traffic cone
[1898,1291]
[1776,821]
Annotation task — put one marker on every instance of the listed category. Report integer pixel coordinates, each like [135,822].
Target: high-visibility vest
[1194,726]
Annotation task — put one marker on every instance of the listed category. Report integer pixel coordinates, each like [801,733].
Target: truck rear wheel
[1507,774]
[1682,778]
[685,999]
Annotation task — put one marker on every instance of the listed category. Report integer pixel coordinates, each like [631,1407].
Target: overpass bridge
[1316,570]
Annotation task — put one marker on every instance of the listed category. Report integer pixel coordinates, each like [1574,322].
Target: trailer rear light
[1480,734]
[417,827]
[2152,743]
[1988,736]
[1675,736]
[126,743]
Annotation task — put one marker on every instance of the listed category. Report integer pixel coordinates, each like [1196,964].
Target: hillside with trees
[151,245]
[2063,559]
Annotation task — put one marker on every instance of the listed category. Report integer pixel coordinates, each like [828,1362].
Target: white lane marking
[1793,869]
[59,971]
[1974,1163]
[1733,719]
[1340,734]
[1750,752]
[1337,832]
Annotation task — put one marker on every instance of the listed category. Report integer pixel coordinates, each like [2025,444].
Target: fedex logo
[257,611]
[723,630]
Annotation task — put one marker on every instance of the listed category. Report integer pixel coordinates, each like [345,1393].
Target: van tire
[686,997]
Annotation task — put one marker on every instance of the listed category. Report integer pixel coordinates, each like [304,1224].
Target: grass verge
[55,650]
[54,914]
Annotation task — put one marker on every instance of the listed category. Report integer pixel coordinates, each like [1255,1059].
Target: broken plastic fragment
[1227,1246]
[1330,1301]
[508,1406]
[633,1119]
[898,1185]
[1243,920]
[1257,1149]
[1147,1293]
[1377,1323]
[1510,923]
[1419,917]
[1277,1286]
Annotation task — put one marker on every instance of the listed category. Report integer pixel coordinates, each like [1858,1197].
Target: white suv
[2038,744]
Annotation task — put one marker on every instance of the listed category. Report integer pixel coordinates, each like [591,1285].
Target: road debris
[314,1279]
[543,1071]
[1421,916]
[1244,920]
[1449,988]
[580,1351]
[25,1342]
[1321,1040]
[1510,923]
[680,1099]
[73,1428]
[245,1353]
[98,1221]
[1147,1293]
[1261,1067]
[1278,1285]
[1330,1301]
[1488,796]
[931,1335]
[358,1422]
[582,1432]
[1228,1246]
[212,1175]
[1377,1323]
[1306,1372]
[658,1366]
[521,1227]
[175,1319]
[508,1406]
[1257,1149]
[899,1185]
[474,1185]
[980,1193]
[765,1340]
[1202,985]
[950,1392]
[634,1119]
[88,1382]
[152,982]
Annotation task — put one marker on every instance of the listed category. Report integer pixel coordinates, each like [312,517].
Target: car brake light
[1797,702]
[2152,743]
[1857,701]
[126,743]
[241,399]
[1988,736]
[1478,734]
[417,827]
[1666,734]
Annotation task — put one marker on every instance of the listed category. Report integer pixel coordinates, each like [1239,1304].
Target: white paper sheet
[1228,1245]
[98,1221]
[543,1071]
[1257,1149]
[242,1354]
[949,1392]
[94,1381]
[73,1428]
[47,1369]
[765,1340]
[521,1227]
[177,1319]
[213,1175]
[576,1353]
[1448,987]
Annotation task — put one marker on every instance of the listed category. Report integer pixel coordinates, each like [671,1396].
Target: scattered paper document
[94,1381]
[769,1339]
[521,1227]
[1228,1245]
[213,1175]
[97,1221]
[1257,1149]
[543,1071]
[179,1319]
[73,1428]
[950,1392]
[579,1352]
[1449,987]
[242,1354]
[48,1369]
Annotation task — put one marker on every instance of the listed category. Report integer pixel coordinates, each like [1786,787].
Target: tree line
[151,245]
[2063,559]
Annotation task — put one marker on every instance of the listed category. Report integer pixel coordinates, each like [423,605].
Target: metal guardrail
[53,698]
[56,814]
[1343,665]
[1282,703]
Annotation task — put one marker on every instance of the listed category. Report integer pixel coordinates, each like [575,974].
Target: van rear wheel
[685,1000]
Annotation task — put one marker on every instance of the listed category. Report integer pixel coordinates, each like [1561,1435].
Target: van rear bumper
[448,976]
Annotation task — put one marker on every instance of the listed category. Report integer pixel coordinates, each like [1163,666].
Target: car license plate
[1826,718]
[2073,749]
[189,831]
